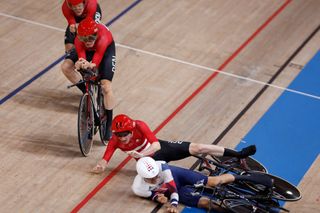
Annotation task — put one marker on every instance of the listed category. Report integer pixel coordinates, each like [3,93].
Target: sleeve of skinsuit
[91,8]
[140,188]
[67,12]
[170,184]
[81,51]
[111,148]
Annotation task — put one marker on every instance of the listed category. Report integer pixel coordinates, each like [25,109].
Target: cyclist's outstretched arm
[155,146]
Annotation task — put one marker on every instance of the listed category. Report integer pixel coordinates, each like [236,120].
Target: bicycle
[220,165]
[246,196]
[91,113]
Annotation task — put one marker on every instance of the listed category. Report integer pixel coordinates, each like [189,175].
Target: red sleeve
[104,41]
[143,127]
[91,8]
[67,12]
[111,148]
[80,48]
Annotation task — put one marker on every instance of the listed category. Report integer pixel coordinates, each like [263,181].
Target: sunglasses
[122,134]
[88,38]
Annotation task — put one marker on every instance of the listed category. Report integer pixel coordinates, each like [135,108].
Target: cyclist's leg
[188,198]
[106,71]
[207,203]
[221,179]
[259,178]
[196,149]
[67,68]
[215,150]
[184,176]
[69,40]
[172,150]
[245,152]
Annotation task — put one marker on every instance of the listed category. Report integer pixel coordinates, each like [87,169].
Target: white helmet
[147,167]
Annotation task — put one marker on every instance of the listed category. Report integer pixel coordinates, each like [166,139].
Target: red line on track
[181,106]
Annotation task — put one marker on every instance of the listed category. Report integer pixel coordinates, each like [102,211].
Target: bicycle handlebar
[87,74]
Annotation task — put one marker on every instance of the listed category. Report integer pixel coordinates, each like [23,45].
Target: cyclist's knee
[196,148]
[67,66]
[204,203]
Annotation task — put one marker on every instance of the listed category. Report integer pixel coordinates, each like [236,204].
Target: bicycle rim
[85,124]
[281,190]
[242,206]
[103,119]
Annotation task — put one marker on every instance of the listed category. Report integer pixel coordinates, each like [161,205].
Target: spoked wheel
[242,206]
[103,129]
[85,124]
[240,165]
[281,190]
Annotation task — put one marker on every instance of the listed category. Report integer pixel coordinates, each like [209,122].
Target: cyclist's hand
[72,28]
[135,154]
[172,209]
[79,63]
[85,65]
[161,198]
[92,66]
[100,167]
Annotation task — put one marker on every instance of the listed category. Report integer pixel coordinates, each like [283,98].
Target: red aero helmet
[87,27]
[74,2]
[122,123]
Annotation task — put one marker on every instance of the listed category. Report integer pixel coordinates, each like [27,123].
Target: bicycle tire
[102,116]
[242,206]
[281,190]
[250,164]
[85,124]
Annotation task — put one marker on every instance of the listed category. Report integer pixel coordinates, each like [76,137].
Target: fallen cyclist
[136,139]
[170,185]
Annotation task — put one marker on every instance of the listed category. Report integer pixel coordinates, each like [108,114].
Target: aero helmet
[87,27]
[122,123]
[147,167]
[74,2]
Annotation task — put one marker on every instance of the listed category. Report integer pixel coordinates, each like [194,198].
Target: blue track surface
[287,136]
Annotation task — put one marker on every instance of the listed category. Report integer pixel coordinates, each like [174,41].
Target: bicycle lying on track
[245,196]
[220,165]
[91,113]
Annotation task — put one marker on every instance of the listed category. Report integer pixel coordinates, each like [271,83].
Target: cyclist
[75,11]
[136,139]
[159,181]
[94,49]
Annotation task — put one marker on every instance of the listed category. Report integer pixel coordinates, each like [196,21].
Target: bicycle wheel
[240,165]
[103,131]
[85,124]
[242,206]
[281,190]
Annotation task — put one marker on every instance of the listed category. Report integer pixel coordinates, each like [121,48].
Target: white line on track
[173,59]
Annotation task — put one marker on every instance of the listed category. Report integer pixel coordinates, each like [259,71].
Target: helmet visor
[87,38]
[122,134]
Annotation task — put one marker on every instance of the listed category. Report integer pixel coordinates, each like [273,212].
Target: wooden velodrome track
[167,54]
